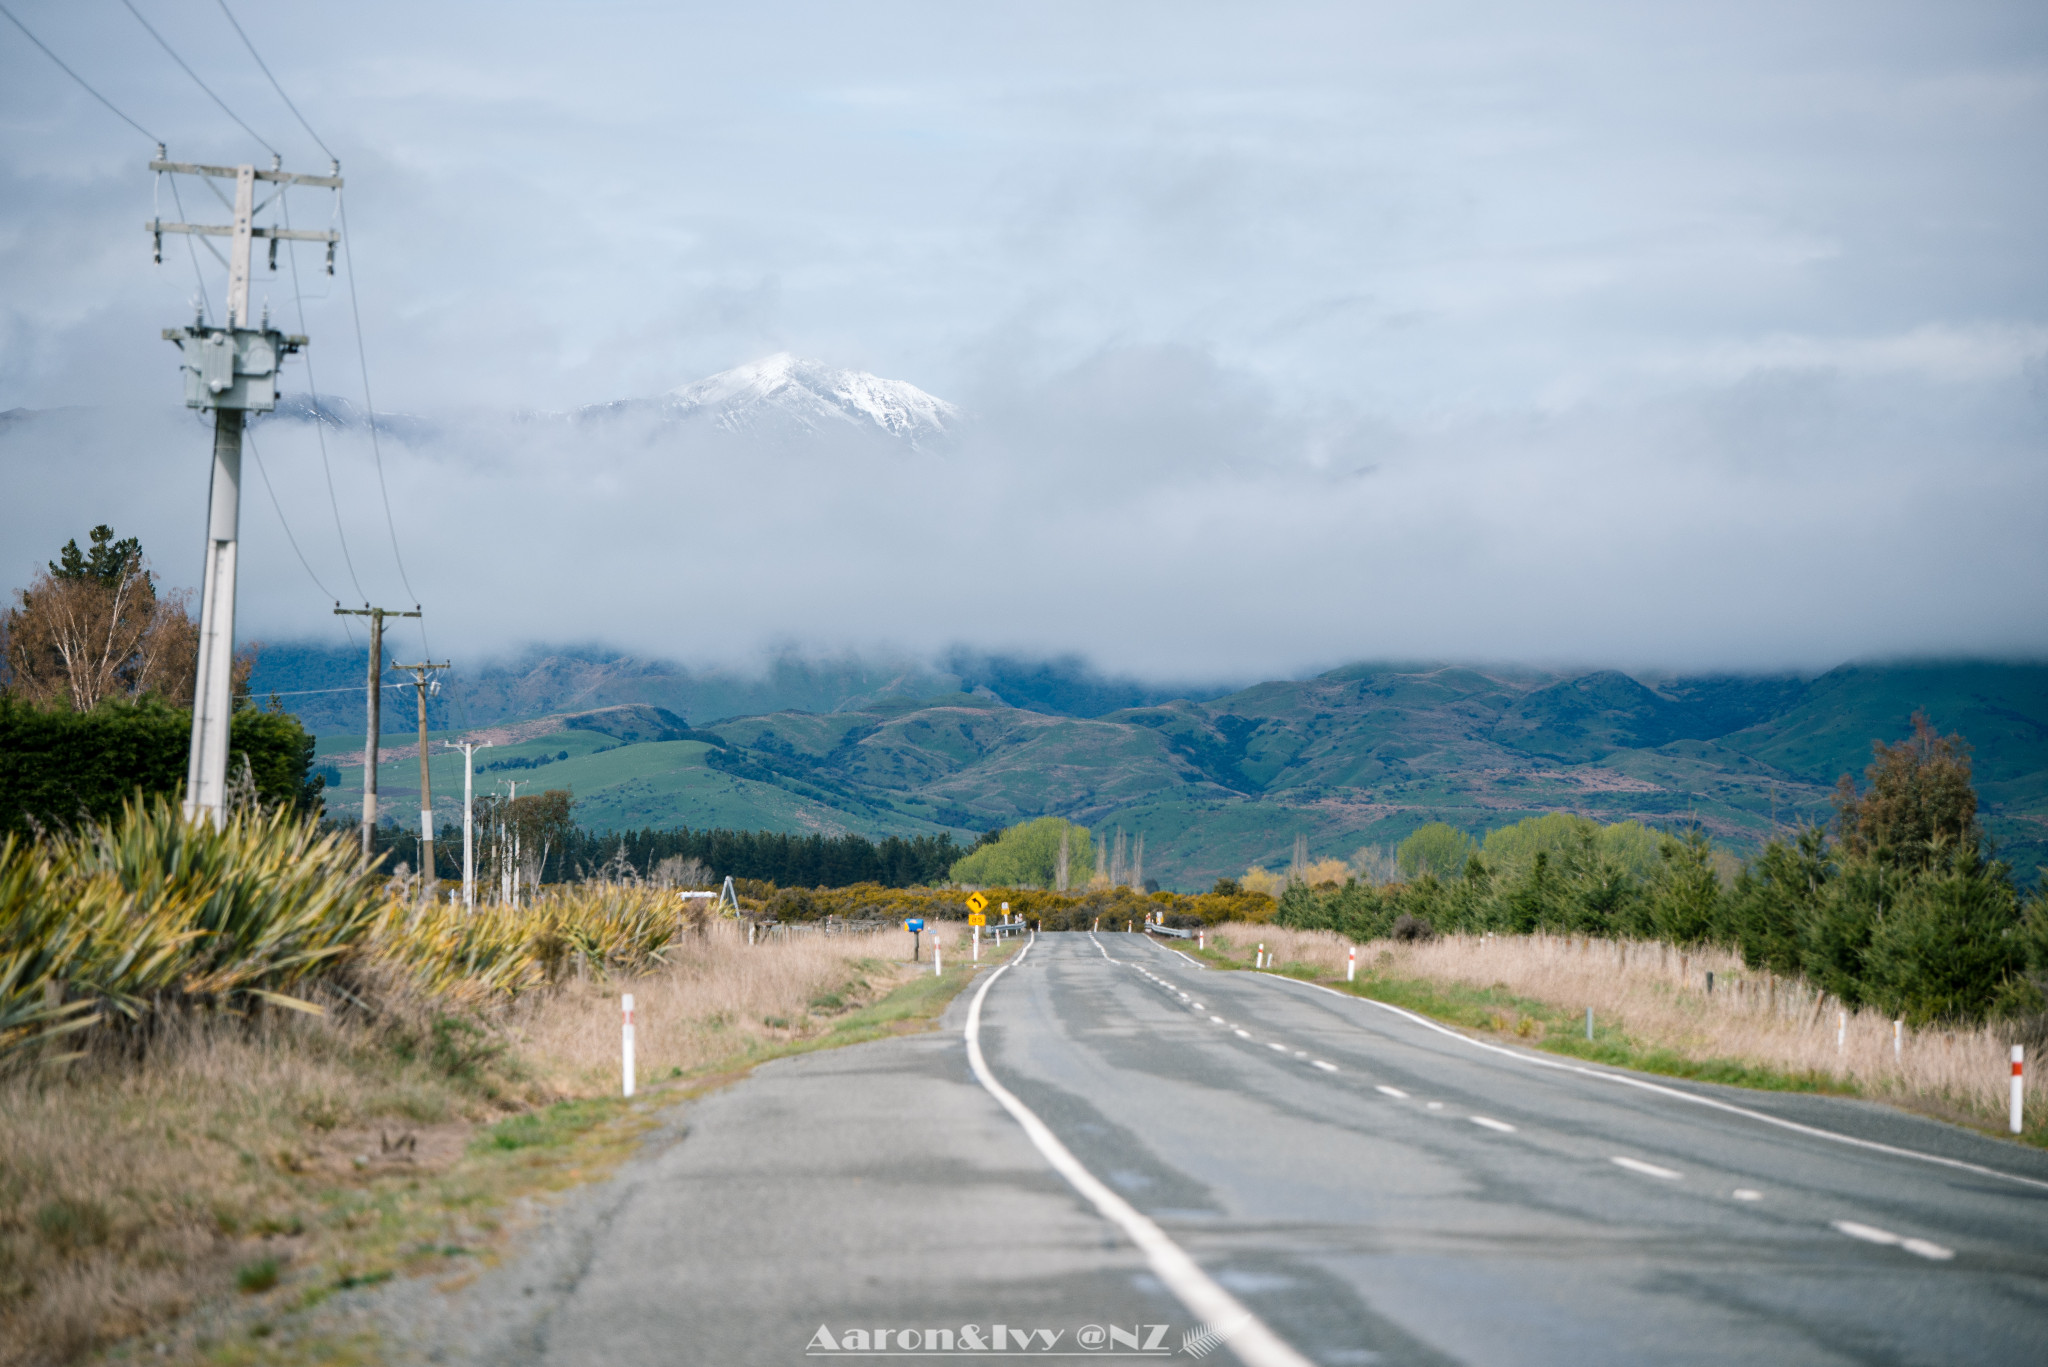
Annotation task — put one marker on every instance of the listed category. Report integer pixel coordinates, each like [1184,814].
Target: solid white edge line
[1490,1123]
[1712,1103]
[1254,1344]
[1647,1169]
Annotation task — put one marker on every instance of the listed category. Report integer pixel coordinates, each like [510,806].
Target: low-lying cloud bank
[1159,513]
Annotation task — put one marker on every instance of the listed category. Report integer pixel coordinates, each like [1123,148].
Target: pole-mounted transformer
[231,370]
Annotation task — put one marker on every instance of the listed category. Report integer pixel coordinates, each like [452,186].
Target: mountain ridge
[1358,755]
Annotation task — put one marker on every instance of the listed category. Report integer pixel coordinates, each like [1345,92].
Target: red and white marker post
[626,1063]
[1351,964]
[2019,1082]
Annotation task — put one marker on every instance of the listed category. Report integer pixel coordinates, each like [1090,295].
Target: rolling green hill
[1359,755]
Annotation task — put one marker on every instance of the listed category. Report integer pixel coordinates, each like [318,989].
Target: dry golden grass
[1656,996]
[134,1189]
[717,997]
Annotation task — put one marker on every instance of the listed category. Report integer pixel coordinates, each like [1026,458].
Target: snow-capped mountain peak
[786,389]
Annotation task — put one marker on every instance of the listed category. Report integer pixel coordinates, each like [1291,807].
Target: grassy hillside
[1359,755]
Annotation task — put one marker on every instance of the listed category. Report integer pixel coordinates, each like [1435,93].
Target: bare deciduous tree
[94,626]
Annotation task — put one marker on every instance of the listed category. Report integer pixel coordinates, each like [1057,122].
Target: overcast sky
[1662,336]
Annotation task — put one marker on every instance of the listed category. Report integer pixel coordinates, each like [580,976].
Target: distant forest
[806,861]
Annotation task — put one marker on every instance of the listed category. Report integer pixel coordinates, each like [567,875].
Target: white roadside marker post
[938,958]
[1260,962]
[1351,964]
[1841,1031]
[1898,1040]
[626,1063]
[2019,1078]
[1589,1022]
[1201,939]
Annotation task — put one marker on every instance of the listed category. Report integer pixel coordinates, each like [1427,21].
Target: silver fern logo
[1207,1339]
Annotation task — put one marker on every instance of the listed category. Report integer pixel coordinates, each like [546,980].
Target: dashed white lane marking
[1301,1053]
[1198,1006]
[1673,1093]
[1490,1123]
[1867,1233]
[1932,1251]
[1219,1020]
[1872,1234]
[1254,1344]
[1281,1047]
[1647,1169]
[1394,1092]
[1242,1034]
[1747,1194]
[1326,1067]
[1434,1105]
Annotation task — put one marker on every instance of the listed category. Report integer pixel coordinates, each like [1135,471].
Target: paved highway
[1236,1166]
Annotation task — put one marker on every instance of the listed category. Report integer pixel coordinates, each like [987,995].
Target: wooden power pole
[376,710]
[421,680]
[231,370]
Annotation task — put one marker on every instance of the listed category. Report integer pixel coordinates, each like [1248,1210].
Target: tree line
[559,851]
[1902,905]
[97,664]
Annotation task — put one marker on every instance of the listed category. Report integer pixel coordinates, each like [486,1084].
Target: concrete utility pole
[376,710]
[468,749]
[231,370]
[421,674]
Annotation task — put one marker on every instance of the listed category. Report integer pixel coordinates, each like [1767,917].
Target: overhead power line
[195,77]
[278,508]
[84,84]
[348,246]
[355,313]
[265,68]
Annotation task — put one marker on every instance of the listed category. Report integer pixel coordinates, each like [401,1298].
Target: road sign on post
[978,919]
[977,903]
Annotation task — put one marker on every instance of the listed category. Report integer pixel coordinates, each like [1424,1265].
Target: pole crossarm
[157,225]
[193,168]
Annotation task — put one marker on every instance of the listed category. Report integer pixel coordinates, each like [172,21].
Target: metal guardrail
[1169,930]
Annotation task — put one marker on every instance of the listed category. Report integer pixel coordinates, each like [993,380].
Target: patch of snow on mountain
[786,388]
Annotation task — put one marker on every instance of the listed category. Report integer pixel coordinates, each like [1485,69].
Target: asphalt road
[1368,1188]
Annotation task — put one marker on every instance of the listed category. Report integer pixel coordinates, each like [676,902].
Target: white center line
[1747,1194]
[1281,1047]
[1928,1250]
[1434,1105]
[1500,1125]
[1253,1343]
[1394,1092]
[1219,1020]
[1868,1233]
[1647,1169]
[1242,1034]
[1873,1235]
[1326,1067]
